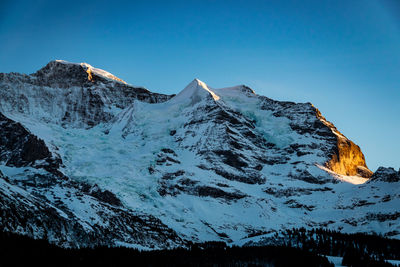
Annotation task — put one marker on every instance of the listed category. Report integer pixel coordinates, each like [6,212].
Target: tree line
[296,247]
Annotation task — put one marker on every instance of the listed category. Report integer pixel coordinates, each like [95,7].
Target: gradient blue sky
[343,56]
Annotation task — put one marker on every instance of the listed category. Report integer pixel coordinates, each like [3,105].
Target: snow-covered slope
[210,164]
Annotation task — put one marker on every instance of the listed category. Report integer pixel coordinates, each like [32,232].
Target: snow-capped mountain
[87,159]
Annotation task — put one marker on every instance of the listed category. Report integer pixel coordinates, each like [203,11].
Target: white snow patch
[348,179]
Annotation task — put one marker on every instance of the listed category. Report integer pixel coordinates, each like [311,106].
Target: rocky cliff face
[343,156]
[20,148]
[346,158]
[104,162]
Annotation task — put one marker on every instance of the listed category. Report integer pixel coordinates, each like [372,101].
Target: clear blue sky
[343,56]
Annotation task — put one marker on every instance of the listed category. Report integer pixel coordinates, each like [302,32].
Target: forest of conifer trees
[296,247]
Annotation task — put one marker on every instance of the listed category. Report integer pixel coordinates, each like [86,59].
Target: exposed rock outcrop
[383,174]
[18,147]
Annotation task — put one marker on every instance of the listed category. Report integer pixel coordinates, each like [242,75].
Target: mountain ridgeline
[89,160]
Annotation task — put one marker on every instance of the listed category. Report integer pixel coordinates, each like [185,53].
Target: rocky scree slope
[105,162]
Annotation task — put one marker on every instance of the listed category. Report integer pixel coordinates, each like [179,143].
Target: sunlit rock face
[114,164]
[346,157]
[348,160]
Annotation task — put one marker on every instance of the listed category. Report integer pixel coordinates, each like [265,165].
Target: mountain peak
[196,90]
[198,83]
[78,70]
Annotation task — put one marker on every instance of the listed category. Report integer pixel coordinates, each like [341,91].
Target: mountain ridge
[208,164]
